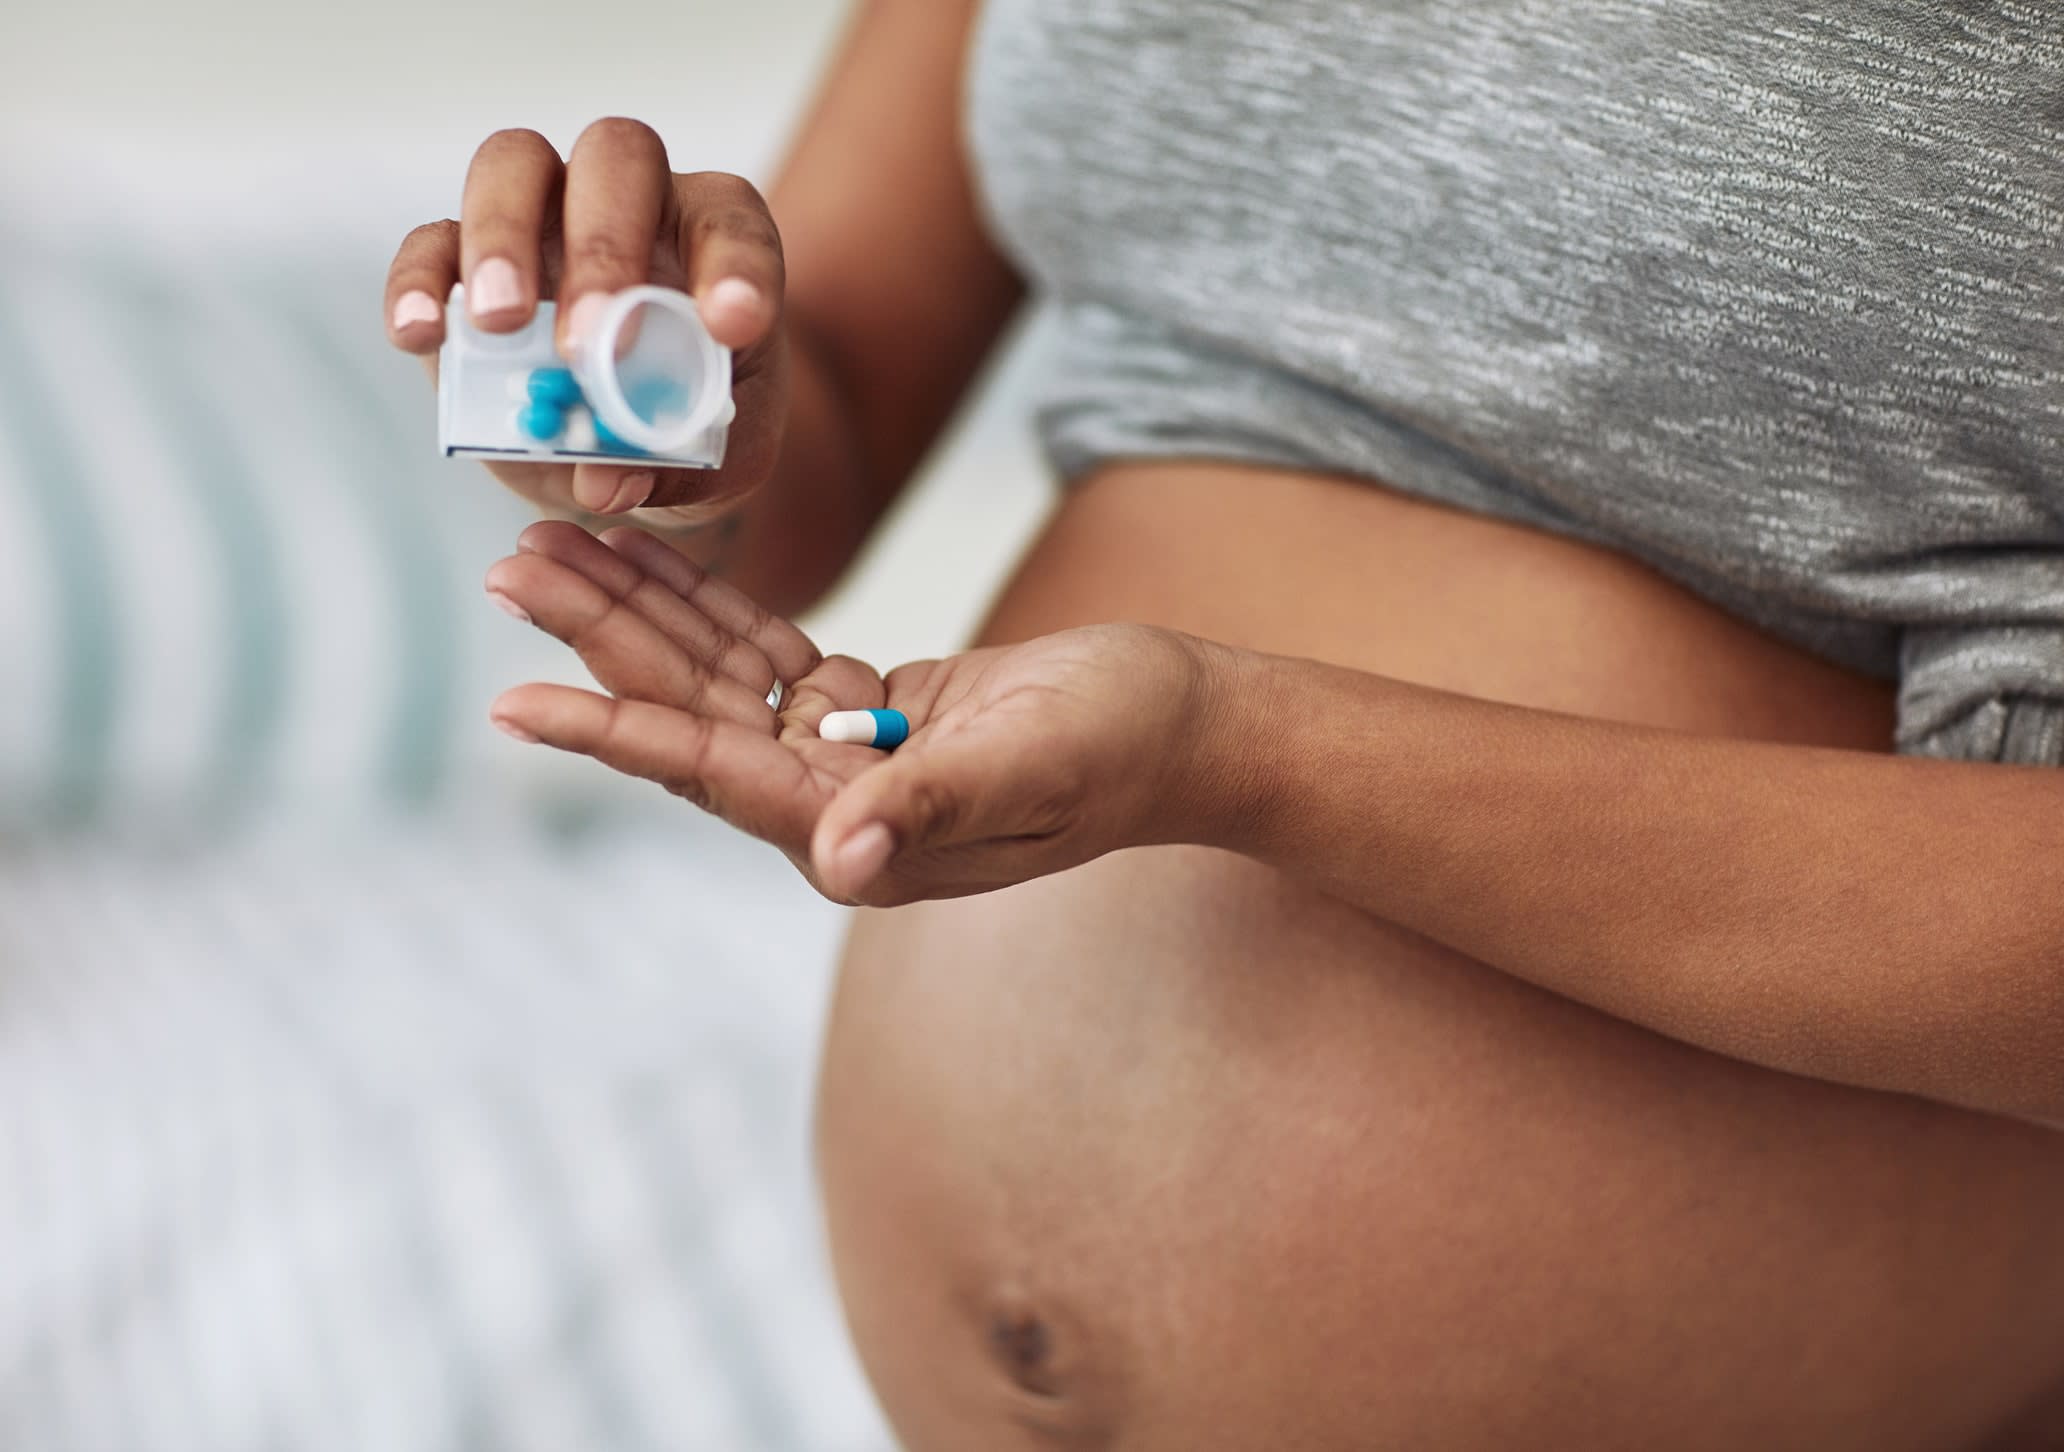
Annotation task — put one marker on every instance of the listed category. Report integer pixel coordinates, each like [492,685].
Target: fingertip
[596,487]
[505,322]
[543,586]
[578,321]
[536,539]
[496,298]
[507,604]
[857,859]
[507,715]
[558,716]
[514,731]
[508,703]
[652,556]
[735,311]
[416,322]
[504,585]
[422,341]
[632,490]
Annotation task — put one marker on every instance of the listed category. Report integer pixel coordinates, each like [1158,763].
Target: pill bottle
[647,382]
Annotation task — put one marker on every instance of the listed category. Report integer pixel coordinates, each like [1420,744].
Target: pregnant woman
[1545,927]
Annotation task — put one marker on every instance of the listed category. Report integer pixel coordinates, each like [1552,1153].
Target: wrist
[1290,752]
[1240,763]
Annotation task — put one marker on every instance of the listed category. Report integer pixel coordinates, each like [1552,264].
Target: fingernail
[580,321]
[594,487]
[415,307]
[733,294]
[634,491]
[511,729]
[863,855]
[495,288]
[508,606]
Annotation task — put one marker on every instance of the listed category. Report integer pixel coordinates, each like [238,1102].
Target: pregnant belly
[1171,1152]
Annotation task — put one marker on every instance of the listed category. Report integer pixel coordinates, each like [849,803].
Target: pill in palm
[883,729]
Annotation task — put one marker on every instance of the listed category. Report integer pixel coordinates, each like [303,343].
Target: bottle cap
[651,372]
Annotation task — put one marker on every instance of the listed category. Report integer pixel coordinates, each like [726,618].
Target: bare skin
[1115,1157]
[1170,1152]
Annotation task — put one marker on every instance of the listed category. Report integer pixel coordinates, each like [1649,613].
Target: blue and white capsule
[883,730]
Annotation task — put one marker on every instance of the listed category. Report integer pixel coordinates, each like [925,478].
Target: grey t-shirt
[1769,296]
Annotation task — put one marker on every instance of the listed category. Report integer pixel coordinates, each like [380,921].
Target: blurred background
[367,1080]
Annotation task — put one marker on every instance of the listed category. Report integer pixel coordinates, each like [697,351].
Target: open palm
[1021,760]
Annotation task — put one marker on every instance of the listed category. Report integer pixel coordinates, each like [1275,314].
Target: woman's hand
[611,216]
[1021,761]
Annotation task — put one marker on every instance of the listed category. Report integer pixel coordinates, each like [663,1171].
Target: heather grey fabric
[1767,295]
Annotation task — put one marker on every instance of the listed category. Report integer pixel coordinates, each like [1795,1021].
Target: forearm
[1883,922]
[790,541]
[895,297]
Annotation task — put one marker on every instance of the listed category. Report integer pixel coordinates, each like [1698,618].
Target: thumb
[931,795]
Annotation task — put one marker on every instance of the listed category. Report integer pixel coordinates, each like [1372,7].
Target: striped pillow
[237,574]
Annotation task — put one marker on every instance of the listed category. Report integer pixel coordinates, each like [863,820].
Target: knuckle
[590,624]
[643,594]
[601,254]
[722,190]
[741,225]
[622,133]
[909,671]
[500,224]
[759,620]
[690,583]
[497,232]
[693,793]
[887,890]
[741,661]
[693,578]
[443,232]
[933,810]
[613,738]
[1052,809]
[514,141]
[691,683]
[698,733]
[685,776]
[427,257]
[617,745]
[715,651]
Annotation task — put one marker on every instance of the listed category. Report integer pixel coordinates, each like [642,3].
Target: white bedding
[424,1141]
[369,1082]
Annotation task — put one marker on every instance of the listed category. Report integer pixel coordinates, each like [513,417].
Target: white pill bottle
[648,384]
